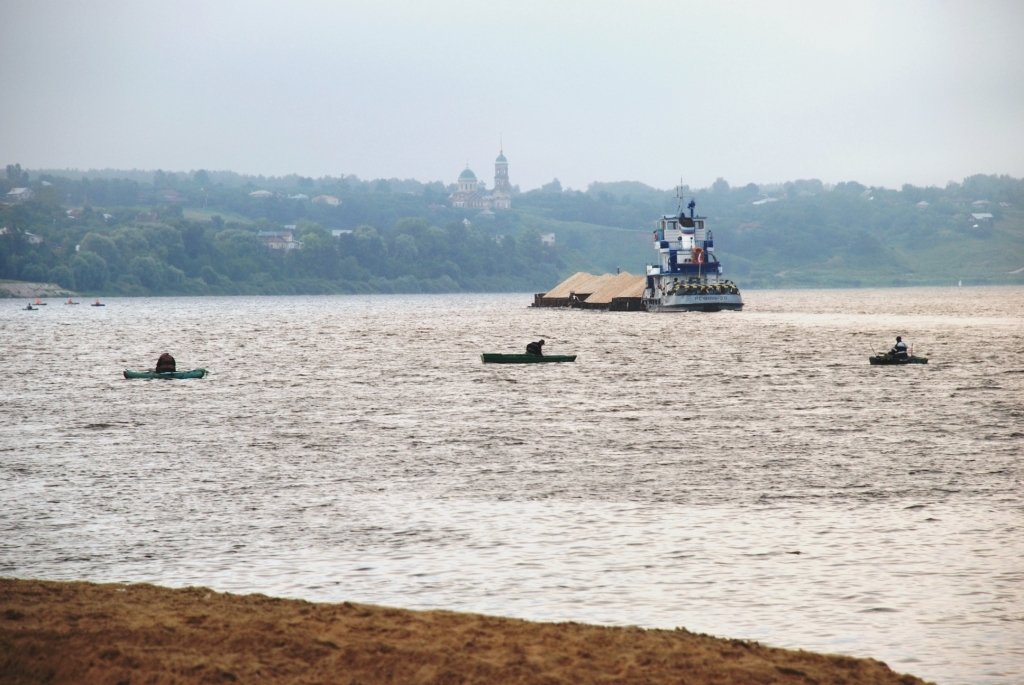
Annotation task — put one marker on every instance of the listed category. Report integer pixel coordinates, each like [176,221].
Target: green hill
[141,233]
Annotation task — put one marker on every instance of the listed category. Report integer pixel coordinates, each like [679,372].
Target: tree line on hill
[153,233]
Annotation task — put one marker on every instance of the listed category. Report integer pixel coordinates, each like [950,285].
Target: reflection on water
[745,474]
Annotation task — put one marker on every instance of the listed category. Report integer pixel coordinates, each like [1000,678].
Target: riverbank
[84,633]
[28,289]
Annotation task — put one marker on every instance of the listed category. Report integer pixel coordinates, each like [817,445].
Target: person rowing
[165,364]
[535,348]
[899,350]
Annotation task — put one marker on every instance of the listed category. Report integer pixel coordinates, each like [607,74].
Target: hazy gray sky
[883,92]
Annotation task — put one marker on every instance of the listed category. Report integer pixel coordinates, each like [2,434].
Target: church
[473,194]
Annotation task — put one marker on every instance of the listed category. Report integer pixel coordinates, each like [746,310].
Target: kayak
[498,358]
[890,359]
[194,373]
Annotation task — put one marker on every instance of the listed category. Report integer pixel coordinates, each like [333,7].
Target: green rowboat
[498,358]
[892,359]
[194,373]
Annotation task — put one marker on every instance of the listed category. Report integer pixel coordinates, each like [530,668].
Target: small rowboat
[194,373]
[498,358]
[892,359]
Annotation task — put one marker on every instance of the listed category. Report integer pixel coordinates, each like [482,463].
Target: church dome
[501,158]
[467,175]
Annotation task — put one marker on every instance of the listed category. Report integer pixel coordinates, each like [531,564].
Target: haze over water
[745,474]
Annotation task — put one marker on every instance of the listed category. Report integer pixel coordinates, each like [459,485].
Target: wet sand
[84,633]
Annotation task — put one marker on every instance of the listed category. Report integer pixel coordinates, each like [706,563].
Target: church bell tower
[502,188]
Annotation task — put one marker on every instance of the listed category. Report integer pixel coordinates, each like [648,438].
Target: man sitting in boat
[899,350]
[535,347]
[165,363]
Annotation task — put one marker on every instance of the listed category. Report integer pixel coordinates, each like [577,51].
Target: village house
[16,195]
[981,219]
[280,240]
[329,200]
[30,238]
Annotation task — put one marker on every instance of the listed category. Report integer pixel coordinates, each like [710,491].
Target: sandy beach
[84,633]
[28,290]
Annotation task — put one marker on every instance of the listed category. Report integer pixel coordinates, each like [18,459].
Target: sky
[882,92]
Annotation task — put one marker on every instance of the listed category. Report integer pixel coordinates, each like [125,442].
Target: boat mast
[702,255]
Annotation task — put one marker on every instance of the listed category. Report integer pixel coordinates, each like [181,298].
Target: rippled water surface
[745,474]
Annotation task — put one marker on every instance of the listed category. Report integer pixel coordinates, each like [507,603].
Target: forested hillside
[146,233]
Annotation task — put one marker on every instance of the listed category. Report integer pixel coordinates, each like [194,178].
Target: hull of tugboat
[695,303]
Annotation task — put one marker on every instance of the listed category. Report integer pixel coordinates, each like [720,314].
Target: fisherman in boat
[899,350]
[535,348]
[165,364]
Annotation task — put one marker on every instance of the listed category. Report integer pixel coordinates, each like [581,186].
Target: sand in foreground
[84,633]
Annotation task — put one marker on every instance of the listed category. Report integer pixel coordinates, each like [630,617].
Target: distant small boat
[30,308]
[193,373]
[70,301]
[97,303]
[498,358]
[39,303]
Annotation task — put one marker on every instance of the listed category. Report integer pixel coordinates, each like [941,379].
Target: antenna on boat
[679,198]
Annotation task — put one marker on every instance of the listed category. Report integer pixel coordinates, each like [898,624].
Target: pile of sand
[83,633]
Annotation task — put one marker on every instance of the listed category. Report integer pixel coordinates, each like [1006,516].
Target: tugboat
[688,277]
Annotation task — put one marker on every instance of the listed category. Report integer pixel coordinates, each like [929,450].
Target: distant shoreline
[13,290]
[28,289]
[84,633]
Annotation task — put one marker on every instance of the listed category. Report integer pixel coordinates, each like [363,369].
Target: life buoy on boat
[700,256]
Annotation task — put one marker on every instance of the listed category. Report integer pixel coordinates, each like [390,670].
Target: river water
[745,474]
